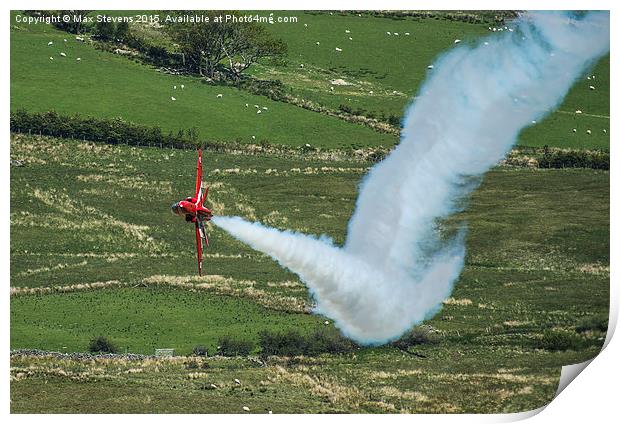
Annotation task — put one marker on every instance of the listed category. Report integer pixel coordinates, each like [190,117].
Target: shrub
[597,322]
[102,344]
[227,346]
[292,343]
[200,350]
[423,334]
[323,341]
[557,340]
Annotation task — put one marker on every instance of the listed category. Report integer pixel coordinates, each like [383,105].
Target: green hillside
[384,73]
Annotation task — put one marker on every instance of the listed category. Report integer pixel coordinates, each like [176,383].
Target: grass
[367,61]
[103,84]
[537,263]
[141,320]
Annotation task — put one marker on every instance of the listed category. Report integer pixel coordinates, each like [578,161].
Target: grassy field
[103,84]
[95,250]
[106,85]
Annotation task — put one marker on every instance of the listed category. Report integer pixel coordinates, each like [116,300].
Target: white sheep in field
[305,25]
[430,67]
[173,99]
[592,87]
[331,88]
[347,31]
[265,108]
[219,96]
[588,132]
[574,130]
[256,106]
[351,39]
[63,54]
[50,43]
[51,58]
[182,86]
[338,49]
[395,33]
[78,59]
[389,33]
[64,39]
[237,381]
[175,87]
[318,43]
[457,41]
[259,111]
[253,137]
[407,34]
[604,131]
[578,112]
[247,105]
[371,92]
[301,65]
[246,409]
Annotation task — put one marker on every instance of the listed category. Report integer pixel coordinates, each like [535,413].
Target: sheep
[350,39]
[326,323]
[50,43]
[246,409]
[253,137]
[63,54]
[305,25]
[604,131]
[78,59]
[457,41]
[247,105]
[593,76]
[533,122]
[318,43]
[407,34]
[574,130]
[79,39]
[494,29]
[301,65]
[265,108]
[389,33]
[588,132]
[588,78]
[578,112]
[396,33]
[592,87]
[430,67]
[258,112]
[371,92]
[331,88]
[338,49]
[51,58]
[219,96]
[486,43]
[64,39]
[347,31]
[237,381]
[256,106]
[182,86]
[173,99]
[175,87]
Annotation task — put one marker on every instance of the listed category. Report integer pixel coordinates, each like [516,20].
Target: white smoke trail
[393,271]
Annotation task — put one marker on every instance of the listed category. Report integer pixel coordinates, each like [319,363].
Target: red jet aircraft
[193,210]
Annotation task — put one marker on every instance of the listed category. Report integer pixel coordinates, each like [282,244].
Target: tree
[249,44]
[105,30]
[122,29]
[205,45]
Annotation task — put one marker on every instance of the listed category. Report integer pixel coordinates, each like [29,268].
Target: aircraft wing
[199,246]
[198,174]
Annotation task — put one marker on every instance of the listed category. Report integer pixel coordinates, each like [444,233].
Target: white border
[592,397]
